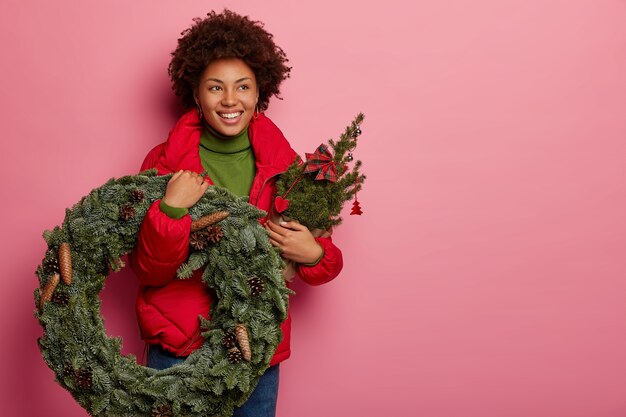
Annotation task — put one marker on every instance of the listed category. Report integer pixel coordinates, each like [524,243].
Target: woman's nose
[229,99]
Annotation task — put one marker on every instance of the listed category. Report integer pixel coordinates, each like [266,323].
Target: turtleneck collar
[216,142]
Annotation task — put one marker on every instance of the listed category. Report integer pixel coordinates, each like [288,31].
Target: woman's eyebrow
[217,80]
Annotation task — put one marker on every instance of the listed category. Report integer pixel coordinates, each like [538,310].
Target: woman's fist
[185,189]
[295,241]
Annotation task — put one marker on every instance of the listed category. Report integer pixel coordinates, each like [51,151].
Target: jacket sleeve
[162,246]
[327,268]
[153,156]
[162,243]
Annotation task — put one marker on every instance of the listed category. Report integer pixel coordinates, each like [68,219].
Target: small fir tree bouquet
[314,191]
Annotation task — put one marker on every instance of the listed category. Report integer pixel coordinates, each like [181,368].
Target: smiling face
[227,94]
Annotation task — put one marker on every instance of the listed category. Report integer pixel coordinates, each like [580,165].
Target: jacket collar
[272,152]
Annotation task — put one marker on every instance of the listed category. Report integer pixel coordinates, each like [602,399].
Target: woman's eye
[215,88]
[244,87]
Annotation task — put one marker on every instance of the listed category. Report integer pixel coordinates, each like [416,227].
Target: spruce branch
[318,203]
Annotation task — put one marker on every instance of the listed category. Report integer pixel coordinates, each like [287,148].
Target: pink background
[487,275]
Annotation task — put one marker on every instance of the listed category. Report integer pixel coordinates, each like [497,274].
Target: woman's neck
[220,143]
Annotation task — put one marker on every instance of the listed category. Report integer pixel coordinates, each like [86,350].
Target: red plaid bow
[321,161]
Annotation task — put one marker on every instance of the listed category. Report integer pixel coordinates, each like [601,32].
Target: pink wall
[486,278]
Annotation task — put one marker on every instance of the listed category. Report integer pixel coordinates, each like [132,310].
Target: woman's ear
[198,106]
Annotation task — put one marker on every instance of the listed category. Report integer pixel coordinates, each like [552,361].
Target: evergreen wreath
[240,266]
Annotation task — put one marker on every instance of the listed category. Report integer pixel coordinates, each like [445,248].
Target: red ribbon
[321,161]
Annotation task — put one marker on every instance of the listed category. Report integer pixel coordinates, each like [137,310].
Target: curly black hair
[227,35]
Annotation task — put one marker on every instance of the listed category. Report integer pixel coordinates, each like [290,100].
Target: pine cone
[68,370]
[127,212]
[198,240]
[84,378]
[243,341]
[214,233]
[208,220]
[256,285]
[48,289]
[61,298]
[136,196]
[65,262]
[51,263]
[234,355]
[163,410]
[229,340]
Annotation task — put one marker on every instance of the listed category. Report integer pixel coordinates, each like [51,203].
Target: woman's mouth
[231,116]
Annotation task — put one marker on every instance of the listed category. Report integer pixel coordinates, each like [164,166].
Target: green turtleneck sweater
[228,161]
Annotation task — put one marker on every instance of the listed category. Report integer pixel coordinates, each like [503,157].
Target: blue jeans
[262,401]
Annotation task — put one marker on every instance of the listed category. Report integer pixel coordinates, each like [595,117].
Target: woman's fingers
[185,188]
[295,241]
[293,225]
[276,237]
[176,175]
[275,243]
[273,227]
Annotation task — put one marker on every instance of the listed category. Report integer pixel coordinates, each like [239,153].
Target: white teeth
[230,115]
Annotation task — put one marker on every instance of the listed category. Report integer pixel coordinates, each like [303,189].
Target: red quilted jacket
[168,308]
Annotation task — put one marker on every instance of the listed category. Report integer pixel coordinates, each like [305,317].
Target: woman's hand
[184,189]
[295,241]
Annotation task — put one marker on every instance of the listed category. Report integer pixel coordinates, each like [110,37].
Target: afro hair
[227,35]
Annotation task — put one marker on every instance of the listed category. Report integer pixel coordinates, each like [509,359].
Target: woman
[225,69]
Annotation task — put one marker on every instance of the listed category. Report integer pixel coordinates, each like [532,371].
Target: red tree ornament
[356,207]
[281,204]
